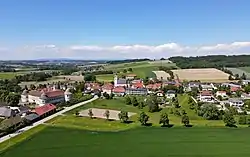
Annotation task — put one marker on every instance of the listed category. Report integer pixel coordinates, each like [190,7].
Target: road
[20,131]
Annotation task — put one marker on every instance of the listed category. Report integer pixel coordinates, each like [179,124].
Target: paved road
[4,138]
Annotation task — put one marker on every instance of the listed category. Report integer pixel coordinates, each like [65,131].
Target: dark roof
[44,109]
[121,81]
[7,123]
[170,92]
[6,112]
[31,116]
[24,109]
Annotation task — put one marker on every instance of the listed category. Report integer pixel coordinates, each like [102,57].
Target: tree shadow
[167,126]
[188,126]
[148,124]
[129,122]
[231,126]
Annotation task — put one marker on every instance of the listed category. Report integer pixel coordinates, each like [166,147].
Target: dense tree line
[127,61]
[10,92]
[212,61]
[40,76]
[98,72]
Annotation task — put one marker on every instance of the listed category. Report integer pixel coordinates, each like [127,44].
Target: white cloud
[124,51]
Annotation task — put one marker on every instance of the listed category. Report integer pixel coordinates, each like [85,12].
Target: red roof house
[119,89]
[42,110]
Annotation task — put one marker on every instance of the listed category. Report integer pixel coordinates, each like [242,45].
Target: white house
[170,94]
[245,96]
[236,102]
[120,81]
[107,88]
[206,96]
[223,94]
[207,87]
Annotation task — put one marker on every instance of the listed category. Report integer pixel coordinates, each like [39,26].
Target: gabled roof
[6,112]
[44,109]
[206,93]
[31,116]
[119,90]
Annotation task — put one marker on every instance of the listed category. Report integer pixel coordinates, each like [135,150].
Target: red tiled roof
[206,93]
[49,93]
[234,89]
[108,86]
[44,109]
[138,85]
[154,86]
[119,90]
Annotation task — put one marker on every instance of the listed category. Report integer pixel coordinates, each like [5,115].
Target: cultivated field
[99,113]
[71,77]
[205,74]
[105,77]
[146,142]
[240,71]
[161,75]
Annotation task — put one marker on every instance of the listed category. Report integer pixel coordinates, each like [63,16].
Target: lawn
[241,70]
[8,75]
[105,77]
[246,69]
[146,142]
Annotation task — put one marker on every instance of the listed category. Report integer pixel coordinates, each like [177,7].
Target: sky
[119,29]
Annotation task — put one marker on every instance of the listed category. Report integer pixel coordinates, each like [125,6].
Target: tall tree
[134,101]
[185,120]
[107,114]
[127,100]
[123,116]
[90,113]
[152,103]
[143,118]
[229,119]
[164,119]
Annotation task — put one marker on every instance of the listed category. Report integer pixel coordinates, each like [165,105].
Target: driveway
[20,131]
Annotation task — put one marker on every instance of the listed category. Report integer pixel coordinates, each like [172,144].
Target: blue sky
[122,28]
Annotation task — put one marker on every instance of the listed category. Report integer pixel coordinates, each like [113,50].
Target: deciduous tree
[123,116]
[185,120]
[164,119]
[143,118]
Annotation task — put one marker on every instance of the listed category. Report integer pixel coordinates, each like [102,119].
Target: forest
[213,61]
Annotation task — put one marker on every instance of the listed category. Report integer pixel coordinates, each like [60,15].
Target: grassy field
[141,69]
[9,75]
[246,69]
[241,70]
[105,77]
[146,142]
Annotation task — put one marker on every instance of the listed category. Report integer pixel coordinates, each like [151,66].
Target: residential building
[119,91]
[207,87]
[206,96]
[137,85]
[32,117]
[170,94]
[6,112]
[245,96]
[245,82]
[45,96]
[236,102]
[160,93]
[153,86]
[223,94]
[67,95]
[192,85]
[130,76]
[107,88]
[45,110]
[136,91]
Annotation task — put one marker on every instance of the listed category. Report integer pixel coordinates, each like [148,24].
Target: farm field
[161,75]
[246,69]
[146,142]
[10,75]
[239,71]
[204,75]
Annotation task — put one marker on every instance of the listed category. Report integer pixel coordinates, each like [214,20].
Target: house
[21,110]
[206,96]
[160,93]
[44,96]
[45,110]
[31,117]
[154,86]
[6,112]
[119,91]
[10,122]
[92,86]
[107,88]
[137,85]
[245,82]
[170,94]
[245,96]
[223,94]
[192,85]
[120,82]
[130,76]
[236,102]
[136,91]
[207,87]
